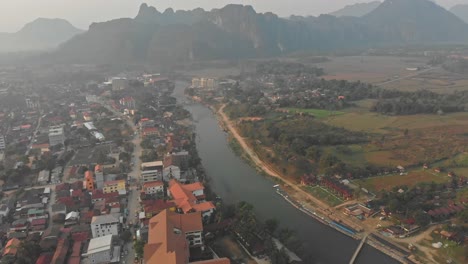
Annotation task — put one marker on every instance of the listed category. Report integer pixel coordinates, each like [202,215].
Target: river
[234,180]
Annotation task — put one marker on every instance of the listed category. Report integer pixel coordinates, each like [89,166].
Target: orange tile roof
[194,186]
[165,245]
[11,247]
[184,198]
[202,207]
[179,192]
[187,222]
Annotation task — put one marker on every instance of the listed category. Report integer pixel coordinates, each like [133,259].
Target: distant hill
[41,34]
[415,21]
[237,31]
[460,11]
[357,10]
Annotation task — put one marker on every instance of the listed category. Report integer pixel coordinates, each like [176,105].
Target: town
[201,132]
[106,175]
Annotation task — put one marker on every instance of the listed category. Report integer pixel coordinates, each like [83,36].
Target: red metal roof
[44,258]
[41,221]
[80,236]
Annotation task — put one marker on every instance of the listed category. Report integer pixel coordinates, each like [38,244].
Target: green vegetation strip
[318,113]
[324,195]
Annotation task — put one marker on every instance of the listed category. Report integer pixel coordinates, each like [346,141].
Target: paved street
[133,176]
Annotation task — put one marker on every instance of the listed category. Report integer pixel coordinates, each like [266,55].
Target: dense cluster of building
[76,209]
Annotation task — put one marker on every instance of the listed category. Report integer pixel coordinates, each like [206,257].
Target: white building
[102,250]
[98,135]
[209,83]
[56,136]
[43,177]
[152,171]
[90,126]
[171,172]
[153,187]
[104,225]
[2,142]
[119,84]
[4,210]
[32,103]
[92,98]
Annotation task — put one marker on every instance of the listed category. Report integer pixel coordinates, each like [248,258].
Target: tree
[24,159]
[229,211]
[8,259]
[128,147]
[139,247]
[125,157]
[463,216]
[393,205]
[271,225]
[149,155]
[285,234]
[58,218]
[279,257]
[126,236]
[101,157]
[146,143]
[28,252]
[422,218]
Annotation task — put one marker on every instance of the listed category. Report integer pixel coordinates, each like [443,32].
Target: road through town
[133,179]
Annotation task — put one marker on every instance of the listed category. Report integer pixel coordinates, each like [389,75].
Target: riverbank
[235,180]
[318,210]
[319,205]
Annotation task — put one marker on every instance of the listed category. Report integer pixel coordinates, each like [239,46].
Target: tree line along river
[234,181]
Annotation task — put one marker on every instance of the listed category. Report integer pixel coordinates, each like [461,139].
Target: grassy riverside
[318,113]
[387,182]
[324,195]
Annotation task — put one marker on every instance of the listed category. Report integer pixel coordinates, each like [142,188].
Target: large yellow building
[114,186]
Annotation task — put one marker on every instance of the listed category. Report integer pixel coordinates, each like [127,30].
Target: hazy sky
[15,13]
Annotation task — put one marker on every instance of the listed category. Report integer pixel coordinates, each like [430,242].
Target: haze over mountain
[356,10]
[461,11]
[237,31]
[41,34]
[416,21]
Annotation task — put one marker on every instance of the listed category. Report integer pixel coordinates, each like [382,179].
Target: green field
[318,113]
[389,181]
[324,195]
[378,123]
[462,194]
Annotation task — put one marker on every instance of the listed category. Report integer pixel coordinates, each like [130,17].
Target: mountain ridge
[238,31]
[356,10]
[40,34]
[461,11]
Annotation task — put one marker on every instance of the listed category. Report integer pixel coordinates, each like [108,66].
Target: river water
[234,180]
